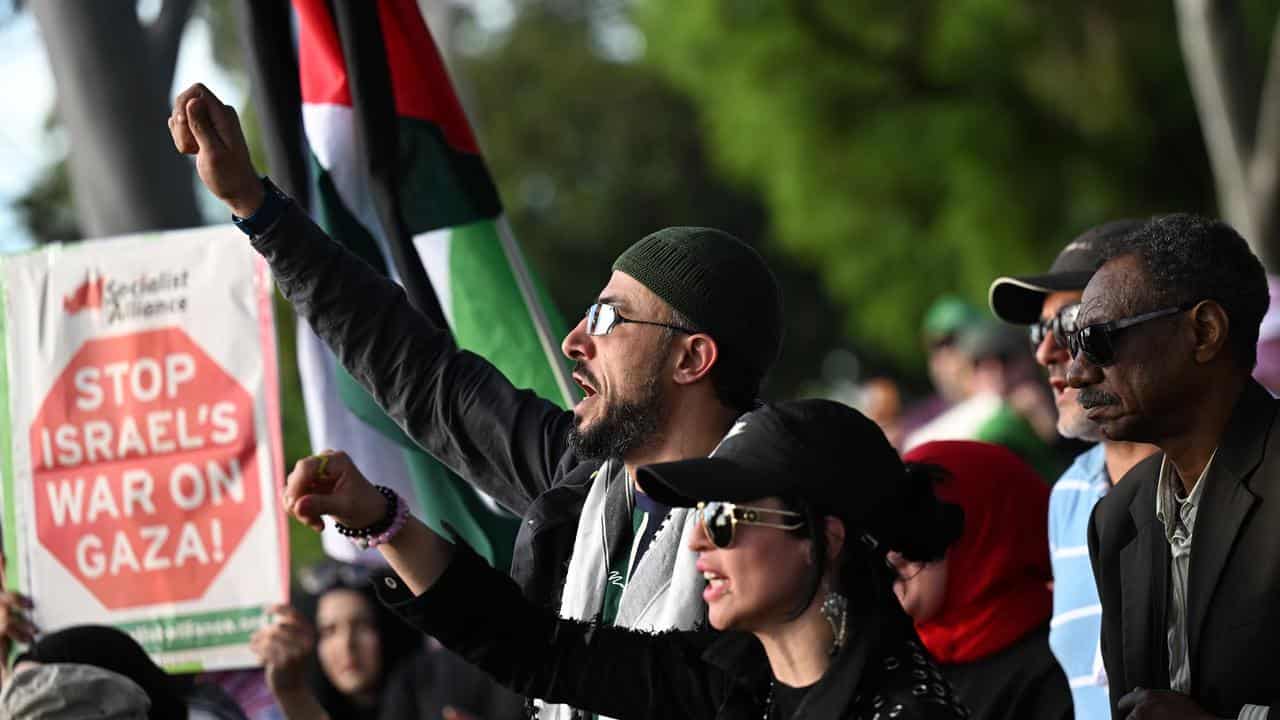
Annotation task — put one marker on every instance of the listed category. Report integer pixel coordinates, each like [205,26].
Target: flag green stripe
[332,214]
[10,523]
[460,512]
[363,406]
[443,497]
[441,187]
[490,317]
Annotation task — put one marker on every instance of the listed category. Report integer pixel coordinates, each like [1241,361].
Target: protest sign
[141,453]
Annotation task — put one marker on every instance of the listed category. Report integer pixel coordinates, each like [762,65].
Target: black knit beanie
[721,284]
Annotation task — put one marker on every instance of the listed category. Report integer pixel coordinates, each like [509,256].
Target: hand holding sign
[14,622]
[202,126]
[330,484]
[15,626]
[284,647]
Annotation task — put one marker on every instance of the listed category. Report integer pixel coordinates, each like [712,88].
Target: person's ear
[1211,326]
[834,529]
[696,355]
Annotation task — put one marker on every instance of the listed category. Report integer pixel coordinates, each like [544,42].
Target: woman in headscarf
[342,655]
[797,508]
[983,610]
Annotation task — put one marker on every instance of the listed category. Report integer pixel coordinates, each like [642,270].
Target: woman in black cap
[798,507]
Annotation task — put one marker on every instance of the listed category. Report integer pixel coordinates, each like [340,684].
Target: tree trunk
[1239,127]
[113,76]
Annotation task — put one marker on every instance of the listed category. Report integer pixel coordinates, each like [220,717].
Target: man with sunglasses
[673,350]
[1048,304]
[1185,549]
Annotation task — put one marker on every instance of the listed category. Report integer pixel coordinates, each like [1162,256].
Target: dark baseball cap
[1018,299]
[798,448]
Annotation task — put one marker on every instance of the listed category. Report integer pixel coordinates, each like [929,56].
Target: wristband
[274,203]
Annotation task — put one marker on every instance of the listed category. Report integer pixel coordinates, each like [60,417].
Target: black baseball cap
[824,452]
[1018,300]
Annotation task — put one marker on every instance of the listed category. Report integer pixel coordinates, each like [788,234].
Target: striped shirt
[1076,626]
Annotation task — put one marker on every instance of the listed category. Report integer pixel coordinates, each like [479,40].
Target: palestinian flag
[399,179]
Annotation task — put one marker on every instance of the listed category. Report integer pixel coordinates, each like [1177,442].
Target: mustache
[580,369]
[1093,397]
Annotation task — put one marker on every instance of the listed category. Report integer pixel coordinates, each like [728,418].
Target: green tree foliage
[591,154]
[906,149]
[46,207]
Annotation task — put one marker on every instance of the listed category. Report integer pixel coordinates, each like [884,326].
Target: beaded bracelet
[402,515]
[384,529]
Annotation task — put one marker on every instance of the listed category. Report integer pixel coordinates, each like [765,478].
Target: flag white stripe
[331,133]
[433,251]
[333,426]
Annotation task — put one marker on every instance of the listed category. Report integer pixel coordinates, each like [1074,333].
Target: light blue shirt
[1076,627]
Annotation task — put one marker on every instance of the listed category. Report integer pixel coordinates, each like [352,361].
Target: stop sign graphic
[145,468]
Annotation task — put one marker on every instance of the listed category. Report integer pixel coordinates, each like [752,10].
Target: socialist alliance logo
[146,296]
[87,295]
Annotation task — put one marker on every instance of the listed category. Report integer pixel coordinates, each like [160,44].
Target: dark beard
[626,425]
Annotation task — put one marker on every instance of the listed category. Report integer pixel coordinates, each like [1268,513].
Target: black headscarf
[397,640]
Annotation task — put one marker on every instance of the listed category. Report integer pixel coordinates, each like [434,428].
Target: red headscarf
[998,571]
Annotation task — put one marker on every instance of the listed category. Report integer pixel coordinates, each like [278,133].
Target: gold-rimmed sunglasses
[720,519]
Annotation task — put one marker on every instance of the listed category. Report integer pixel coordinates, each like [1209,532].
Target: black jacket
[508,443]
[422,686]
[1023,680]
[480,614]
[1233,589]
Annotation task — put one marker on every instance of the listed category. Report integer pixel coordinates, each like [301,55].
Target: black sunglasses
[602,318]
[719,519]
[1097,341]
[1061,326]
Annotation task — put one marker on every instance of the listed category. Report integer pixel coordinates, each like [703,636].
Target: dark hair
[736,386]
[1188,258]
[921,528]
[397,641]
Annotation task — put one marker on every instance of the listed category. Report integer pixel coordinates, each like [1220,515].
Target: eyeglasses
[720,519]
[1061,326]
[602,318]
[1097,341]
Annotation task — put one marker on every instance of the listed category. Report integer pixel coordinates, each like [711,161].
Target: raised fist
[330,484]
[202,126]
